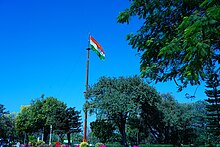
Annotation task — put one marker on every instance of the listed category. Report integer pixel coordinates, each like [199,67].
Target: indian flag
[96,47]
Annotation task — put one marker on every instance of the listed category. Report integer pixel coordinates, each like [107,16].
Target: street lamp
[138,117]
[50,134]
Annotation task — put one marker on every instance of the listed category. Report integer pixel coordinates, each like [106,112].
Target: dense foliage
[171,122]
[213,107]
[117,99]
[178,39]
[152,118]
[44,113]
[72,122]
[103,129]
[7,129]
[2,120]
[143,115]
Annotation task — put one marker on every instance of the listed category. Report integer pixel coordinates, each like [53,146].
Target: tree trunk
[68,138]
[123,135]
[167,134]
[45,136]
[121,126]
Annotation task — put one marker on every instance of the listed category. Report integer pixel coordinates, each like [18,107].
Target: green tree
[54,112]
[183,122]
[76,138]
[103,129]
[213,107]
[46,112]
[171,115]
[137,130]
[36,118]
[178,40]
[72,122]
[3,121]
[116,99]
[199,121]
[152,119]
[172,122]
[21,123]
[7,124]
[10,126]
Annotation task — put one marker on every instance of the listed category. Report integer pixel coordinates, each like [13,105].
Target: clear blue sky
[43,50]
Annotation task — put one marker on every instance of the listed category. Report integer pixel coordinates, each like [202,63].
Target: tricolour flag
[96,47]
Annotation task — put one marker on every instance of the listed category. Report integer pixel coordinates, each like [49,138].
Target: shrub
[98,144]
[32,143]
[40,142]
[84,144]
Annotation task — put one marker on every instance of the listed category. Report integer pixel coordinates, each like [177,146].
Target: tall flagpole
[87,86]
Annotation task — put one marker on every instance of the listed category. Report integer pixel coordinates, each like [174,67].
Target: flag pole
[87,86]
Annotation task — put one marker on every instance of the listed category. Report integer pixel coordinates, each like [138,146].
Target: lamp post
[50,134]
[138,117]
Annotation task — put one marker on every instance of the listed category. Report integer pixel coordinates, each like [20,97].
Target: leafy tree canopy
[213,107]
[178,39]
[44,112]
[103,130]
[174,122]
[117,99]
[3,121]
